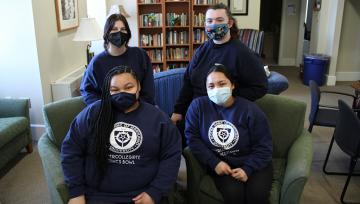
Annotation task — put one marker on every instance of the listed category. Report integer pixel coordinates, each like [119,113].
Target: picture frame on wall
[67,14]
[239,7]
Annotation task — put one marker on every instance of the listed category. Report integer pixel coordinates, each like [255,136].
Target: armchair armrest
[50,157]
[14,107]
[297,168]
[195,172]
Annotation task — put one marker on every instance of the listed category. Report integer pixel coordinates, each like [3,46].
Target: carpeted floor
[23,181]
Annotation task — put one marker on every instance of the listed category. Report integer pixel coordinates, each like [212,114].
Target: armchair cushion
[9,127]
[58,117]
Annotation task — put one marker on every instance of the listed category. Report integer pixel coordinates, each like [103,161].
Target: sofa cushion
[208,187]
[12,127]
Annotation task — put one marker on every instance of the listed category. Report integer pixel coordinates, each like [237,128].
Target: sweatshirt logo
[223,134]
[125,138]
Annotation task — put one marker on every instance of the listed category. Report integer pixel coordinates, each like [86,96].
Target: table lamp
[88,31]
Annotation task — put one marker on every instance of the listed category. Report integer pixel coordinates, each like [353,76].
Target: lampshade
[118,9]
[88,30]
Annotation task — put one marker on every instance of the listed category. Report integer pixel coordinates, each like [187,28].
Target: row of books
[151,39]
[177,53]
[174,19]
[150,1]
[199,36]
[157,68]
[177,37]
[176,65]
[151,19]
[205,2]
[155,55]
[199,19]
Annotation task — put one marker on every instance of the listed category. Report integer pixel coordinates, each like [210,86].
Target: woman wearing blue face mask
[231,136]
[225,48]
[120,149]
[117,52]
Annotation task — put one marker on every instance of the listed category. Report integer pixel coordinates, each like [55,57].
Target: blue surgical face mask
[219,95]
[123,100]
[217,31]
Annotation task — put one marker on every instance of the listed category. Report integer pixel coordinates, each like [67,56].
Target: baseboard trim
[287,62]
[37,130]
[347,76]
[330,80]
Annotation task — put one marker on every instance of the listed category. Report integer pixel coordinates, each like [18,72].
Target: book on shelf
[156,68]
[199,19]
[177,53]
[199,36]
[177,65]
[150,1]
[151,39]
[155,55]
[174,19]
[205,2]
[177,37]
[151,20]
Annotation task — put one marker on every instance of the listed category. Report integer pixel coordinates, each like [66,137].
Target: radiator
[67,86]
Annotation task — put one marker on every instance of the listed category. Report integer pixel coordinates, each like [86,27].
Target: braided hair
[105,120]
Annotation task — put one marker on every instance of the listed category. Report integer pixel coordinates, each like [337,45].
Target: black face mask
[119,38]
[123,100]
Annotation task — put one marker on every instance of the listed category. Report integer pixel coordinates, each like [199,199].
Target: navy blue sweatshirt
[144,155]
[246,68]
[239,134]
[134,57]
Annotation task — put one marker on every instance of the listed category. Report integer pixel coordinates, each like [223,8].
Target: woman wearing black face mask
[223,47]
[120,149]
[117,52]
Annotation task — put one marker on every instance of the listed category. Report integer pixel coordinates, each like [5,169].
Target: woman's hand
[239,174]
[222,168]
[143,198]
[176,117]
[77,200]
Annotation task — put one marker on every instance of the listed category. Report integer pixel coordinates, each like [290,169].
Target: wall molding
[330,80]
[37,130]
[347,76]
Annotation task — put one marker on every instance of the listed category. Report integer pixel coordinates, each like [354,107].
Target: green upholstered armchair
[15,131]
[292,156]
[58,117]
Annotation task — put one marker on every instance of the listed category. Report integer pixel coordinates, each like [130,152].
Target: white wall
[19,67]
[289,32]
[348,64]
[326,32]
[252,20]
[101,13]
[58,54]
[33,53]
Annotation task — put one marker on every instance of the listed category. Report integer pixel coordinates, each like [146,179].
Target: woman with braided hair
[115,140]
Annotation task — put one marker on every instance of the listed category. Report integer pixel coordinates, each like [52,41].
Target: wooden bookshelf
[168,30]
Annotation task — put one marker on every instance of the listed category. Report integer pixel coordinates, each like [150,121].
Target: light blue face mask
[219,95]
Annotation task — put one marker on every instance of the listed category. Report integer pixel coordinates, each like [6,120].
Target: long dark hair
[234,30]
[105,120]
[109,24]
